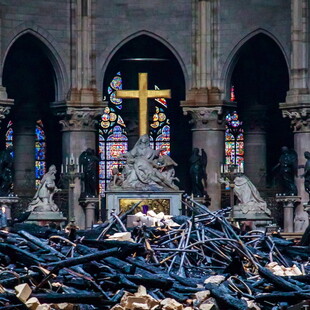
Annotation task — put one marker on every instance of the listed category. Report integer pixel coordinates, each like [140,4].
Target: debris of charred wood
[170,262]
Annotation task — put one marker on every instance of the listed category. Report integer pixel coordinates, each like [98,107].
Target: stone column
[255,145]
[300,121]
[24,158]
[79,132]
[89,204]
[24,151]
[288,203]
[208,134]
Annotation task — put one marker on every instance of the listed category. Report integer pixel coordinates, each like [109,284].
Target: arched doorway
[29,78]
[146,54]
[260,79]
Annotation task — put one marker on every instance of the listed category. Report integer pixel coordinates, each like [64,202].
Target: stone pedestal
[46,217]
[89,204]
[7,202]
[115,200]
[288,203]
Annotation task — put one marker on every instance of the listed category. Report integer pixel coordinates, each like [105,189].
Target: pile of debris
[204,262]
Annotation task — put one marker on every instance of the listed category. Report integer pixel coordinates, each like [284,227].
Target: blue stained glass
[117,135]
[101,170]
[115,100]
[40,151]
[165,135]
[116,83]
[40,169]
[40,133]
[9,134]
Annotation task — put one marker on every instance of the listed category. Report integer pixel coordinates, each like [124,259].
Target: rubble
[204,262]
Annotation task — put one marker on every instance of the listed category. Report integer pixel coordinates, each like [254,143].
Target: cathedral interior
[232,79]
[224,62]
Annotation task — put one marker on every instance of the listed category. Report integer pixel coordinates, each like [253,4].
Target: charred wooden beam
[76,298]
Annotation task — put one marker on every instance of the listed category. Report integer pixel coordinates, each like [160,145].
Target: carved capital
[201,116]
[4,111]
[78,118]
[299,117]
[5,103]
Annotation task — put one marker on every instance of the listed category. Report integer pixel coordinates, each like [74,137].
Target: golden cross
[143,94]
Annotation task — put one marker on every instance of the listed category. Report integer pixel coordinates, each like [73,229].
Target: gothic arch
[133,36]
[233,56]
[50,48]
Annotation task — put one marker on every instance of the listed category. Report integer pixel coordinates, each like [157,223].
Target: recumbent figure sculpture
[89,161]
[145,169]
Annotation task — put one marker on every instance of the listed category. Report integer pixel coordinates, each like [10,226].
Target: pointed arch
[233,57]
[133,36]
[51,49]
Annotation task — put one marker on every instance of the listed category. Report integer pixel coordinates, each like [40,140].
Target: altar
[168,202]
[148,174]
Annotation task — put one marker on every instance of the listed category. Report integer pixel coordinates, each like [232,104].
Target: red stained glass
[234,140]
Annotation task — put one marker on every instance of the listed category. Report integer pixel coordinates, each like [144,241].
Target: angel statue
[198,176]
[306,174]
[287,165]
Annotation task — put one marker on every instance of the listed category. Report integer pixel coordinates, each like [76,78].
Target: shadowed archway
[260,79]
[29,78]
[146,54]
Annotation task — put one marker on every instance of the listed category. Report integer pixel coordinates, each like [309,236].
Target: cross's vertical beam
[143,106]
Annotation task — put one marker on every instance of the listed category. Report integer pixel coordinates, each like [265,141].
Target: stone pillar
[288,204]
[297,103]
[300,121]
[24,157]
[79,133]
[255,145]
[90,210]
[208,134]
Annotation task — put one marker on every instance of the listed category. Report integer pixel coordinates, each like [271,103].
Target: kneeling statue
[43,199]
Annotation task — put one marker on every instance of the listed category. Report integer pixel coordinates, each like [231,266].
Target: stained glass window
[234,141]
[9,135]
[40,152]
[113,141]
[160,127]
[40,148]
